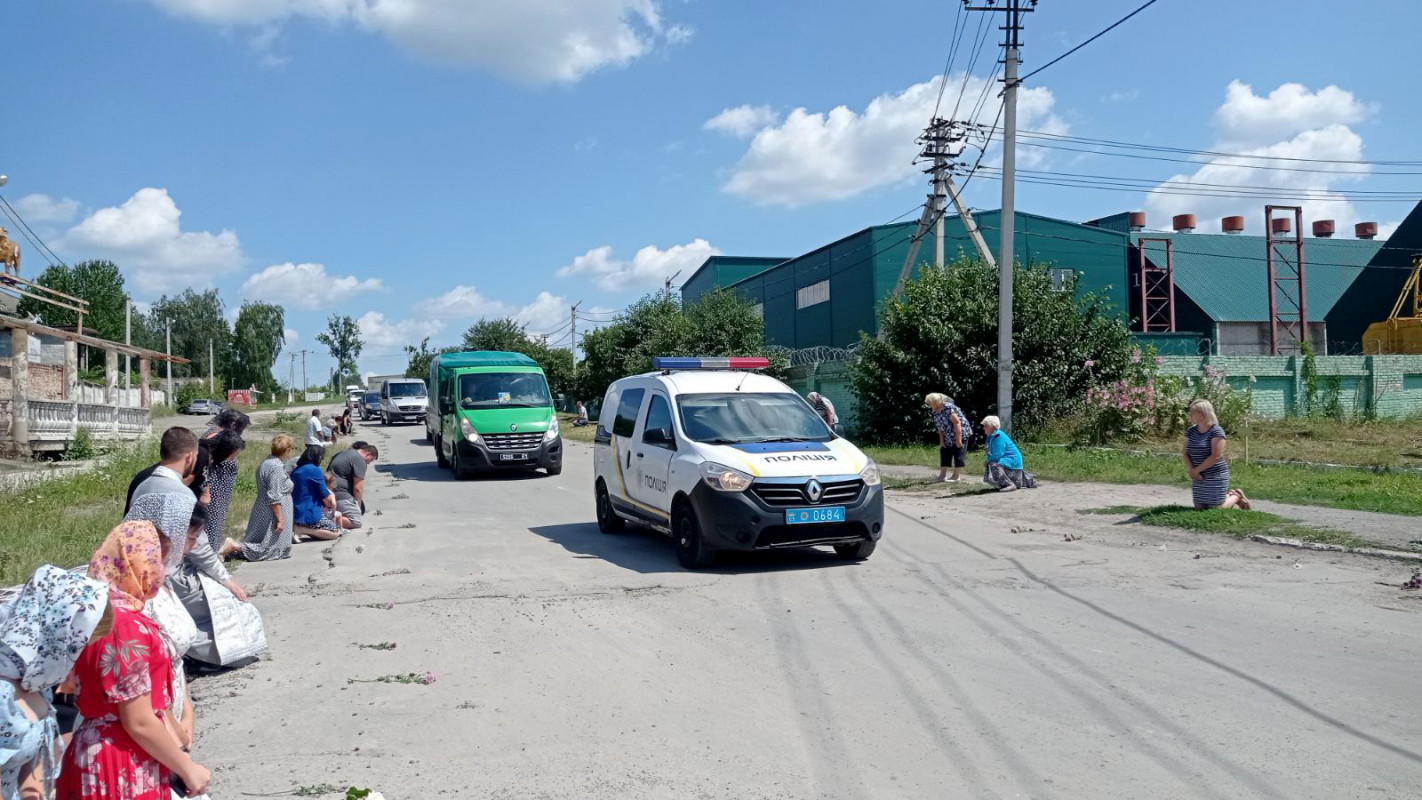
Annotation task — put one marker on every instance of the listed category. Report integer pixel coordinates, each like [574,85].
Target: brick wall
[46,382]
[830,379]
[1393,384]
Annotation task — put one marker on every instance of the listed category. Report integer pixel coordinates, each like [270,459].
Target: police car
[723,458]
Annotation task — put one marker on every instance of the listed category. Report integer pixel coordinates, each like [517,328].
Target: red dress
[103,762]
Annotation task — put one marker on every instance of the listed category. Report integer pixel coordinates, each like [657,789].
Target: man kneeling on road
[349,468]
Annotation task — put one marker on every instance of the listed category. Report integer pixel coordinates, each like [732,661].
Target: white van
[403,399]
[724,459]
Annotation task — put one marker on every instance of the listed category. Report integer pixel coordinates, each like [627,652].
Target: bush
[941,336]
[1145,403]
[188,392]
[83,447]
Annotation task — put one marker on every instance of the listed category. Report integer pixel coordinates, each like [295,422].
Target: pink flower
[1090,363]
[1136,356]
[1159,361]
[429,678]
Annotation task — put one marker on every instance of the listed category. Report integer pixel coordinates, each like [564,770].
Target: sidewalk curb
[1400,555]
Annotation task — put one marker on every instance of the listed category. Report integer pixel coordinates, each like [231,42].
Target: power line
[972,63]
[1107,30]
[952,55]
[28,234]
[1215,153]
[995,173]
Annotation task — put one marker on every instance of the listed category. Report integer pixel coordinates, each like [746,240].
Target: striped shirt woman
[1205,456]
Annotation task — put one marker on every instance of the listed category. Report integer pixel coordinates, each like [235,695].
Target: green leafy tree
[197,319]
[257,339]
[496,334]
[342,340]
[720,324]
[98,282]
[941,336]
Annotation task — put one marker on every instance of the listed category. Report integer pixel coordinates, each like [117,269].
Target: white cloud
[812,157]
[41,209]
[743,121]
[384,337]
[1121,96]
[1248,119]
[537,41]
[306,286]
[647,268]
[1291,122]
[289,338]
[143,235]
[462,302]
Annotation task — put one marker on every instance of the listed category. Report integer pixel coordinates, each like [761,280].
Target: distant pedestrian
[953,434]
[1004,469]
[825,409]
[1205,461]
[313,429]
[581,419]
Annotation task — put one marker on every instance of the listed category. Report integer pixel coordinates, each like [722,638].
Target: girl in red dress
[124,750]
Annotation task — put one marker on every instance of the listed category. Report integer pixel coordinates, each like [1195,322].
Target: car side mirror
[661,437]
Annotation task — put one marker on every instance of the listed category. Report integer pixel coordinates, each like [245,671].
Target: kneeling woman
[1004,461]
[312,501]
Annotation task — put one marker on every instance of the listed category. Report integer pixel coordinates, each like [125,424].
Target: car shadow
[649,552]
[430,472]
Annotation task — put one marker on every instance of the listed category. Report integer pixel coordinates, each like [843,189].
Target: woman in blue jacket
[1004,461]
[311,498]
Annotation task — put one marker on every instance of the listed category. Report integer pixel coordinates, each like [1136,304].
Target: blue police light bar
[695,362]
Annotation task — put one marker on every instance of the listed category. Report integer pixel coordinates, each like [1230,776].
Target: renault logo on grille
[814,491]
[513,427]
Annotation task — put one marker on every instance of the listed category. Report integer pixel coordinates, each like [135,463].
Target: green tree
[98,282]
[496,334]
[197,319]
[941,336]
[720,324]
[257,339]
[422,356]
[342,340]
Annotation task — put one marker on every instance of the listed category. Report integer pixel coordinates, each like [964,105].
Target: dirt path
[1059,505]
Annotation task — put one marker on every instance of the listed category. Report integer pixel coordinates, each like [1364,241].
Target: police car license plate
[513,456]
[810,516]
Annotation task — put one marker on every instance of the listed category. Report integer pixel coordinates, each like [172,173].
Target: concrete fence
[1390,385]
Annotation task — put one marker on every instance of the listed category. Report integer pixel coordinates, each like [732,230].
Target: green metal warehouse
[1219,298]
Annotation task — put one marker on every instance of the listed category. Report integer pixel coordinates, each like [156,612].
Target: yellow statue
[9,253]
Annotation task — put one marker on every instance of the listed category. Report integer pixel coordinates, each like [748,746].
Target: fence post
[20,388]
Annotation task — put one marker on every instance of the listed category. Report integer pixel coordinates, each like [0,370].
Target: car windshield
[372,397]
[503,390]
[745,417]
[407,390]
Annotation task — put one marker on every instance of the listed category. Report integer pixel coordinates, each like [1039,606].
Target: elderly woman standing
[952,428]
[825,409]
[269,529]
[1004,461]
[1205,461]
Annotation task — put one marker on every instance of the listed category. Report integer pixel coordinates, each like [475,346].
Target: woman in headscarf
[179,633]
[124,750]
[47,627]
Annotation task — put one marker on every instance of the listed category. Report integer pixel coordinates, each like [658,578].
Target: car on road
[403,400]
[493,411]
[370,405]
[201,406]
[727,459]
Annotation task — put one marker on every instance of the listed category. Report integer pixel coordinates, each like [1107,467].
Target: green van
[492,411]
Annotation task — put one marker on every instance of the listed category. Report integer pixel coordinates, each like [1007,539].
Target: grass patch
[1359,490]
[1234,522]
[572,434]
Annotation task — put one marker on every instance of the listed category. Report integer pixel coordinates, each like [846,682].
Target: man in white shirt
[313,429]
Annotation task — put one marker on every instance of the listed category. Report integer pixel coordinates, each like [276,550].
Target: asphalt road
[962,660]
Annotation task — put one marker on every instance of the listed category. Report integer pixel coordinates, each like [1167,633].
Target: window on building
[758,310]
[1062,279]
[812,295]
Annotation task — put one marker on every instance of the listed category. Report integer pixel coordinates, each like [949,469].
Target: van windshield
[503,390]
[407,390]
[746,417]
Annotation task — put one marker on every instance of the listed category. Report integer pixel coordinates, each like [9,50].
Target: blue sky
[418,164]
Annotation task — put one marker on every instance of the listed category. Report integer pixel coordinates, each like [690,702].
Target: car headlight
[870,474]
[552,431]
[724,479]
[470,435]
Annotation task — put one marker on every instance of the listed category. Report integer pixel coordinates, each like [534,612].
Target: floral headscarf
[170,513]
[50,623]
[130,561]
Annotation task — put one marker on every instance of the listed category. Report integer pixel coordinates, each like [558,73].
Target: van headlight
[470,435]
[724,479]
[552,431]
[870,474]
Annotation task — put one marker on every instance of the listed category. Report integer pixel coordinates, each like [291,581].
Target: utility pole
[573,343]
[291,380]
[1012,57]
[127,340]
[669,283]
[210,387]
[168,349]
[304,384]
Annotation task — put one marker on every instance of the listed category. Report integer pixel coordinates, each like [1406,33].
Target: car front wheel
[691,548]
[855,552]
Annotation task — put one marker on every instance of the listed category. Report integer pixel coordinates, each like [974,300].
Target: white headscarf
[50,623]
[170,513]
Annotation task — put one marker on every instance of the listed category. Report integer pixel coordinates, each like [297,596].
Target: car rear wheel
[855,552]
[607,519]
[691,548]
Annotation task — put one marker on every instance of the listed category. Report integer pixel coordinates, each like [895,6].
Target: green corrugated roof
[485,358]
[1226,274]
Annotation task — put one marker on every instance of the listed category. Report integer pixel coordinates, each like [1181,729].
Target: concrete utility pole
[1012,48]
[573,343]
[210,385]
[128,340]
[304,384]
[669,282]
[168,349]
[291,380]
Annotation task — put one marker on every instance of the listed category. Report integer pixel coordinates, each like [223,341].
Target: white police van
[725,459]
